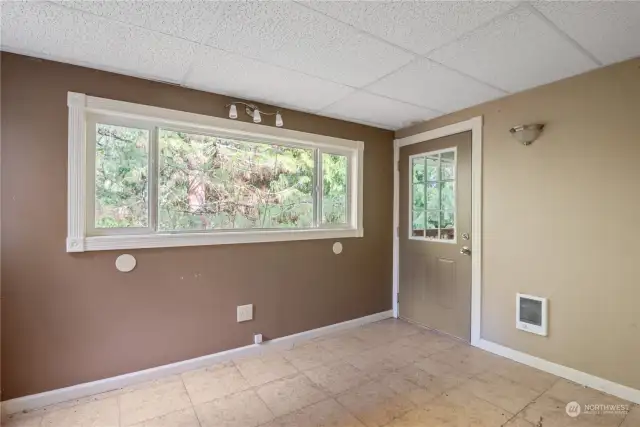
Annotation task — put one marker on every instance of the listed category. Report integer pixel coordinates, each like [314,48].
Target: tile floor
[389,373]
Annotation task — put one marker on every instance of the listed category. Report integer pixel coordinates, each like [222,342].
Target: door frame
[475,126]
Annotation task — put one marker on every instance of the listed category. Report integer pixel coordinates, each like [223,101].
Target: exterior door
[435,234]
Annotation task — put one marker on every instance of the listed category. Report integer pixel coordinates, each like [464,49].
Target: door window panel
[433,196]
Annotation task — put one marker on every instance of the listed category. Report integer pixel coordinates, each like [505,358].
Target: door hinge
[397,231]
[398,165]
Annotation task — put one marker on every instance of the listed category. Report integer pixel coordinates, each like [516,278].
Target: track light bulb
[279,122]
[233,112]
[256,116]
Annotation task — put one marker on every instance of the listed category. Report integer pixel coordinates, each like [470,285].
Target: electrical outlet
[245,312]
[257,338]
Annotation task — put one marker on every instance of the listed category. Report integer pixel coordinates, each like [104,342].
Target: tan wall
[560,219]
[72,318]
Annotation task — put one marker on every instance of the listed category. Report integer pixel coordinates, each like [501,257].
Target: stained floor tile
[244,409]
[327,413]
[152,401]
[375,404]
[101,413]
[258,370]
[183,418]
[337,377]
[500,391]
[288,395]
[213,382]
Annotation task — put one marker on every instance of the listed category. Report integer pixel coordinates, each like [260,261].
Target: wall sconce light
[253,112]
[526,134]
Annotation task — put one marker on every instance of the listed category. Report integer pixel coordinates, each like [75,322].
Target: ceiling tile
[515,52]
[416,26]
[426,83]
[50,31]
[376,110]
[191,20]
[295,37]
[610,30]
[222,72]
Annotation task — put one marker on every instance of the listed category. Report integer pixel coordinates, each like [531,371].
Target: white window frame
[455,195]
[86,110]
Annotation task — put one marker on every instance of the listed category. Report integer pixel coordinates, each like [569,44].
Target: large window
[154,181]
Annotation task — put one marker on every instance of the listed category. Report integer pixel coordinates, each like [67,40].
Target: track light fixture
[253,112]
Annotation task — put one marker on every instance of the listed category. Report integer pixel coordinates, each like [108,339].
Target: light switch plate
[245,312]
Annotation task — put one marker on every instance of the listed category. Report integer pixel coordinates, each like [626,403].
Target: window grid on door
[433,196]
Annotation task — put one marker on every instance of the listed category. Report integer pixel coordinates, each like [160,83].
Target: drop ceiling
[386,64]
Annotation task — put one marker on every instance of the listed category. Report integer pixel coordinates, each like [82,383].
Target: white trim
[475,126]
[610,387]
[82,236]
[139,241]
[52,397]
[76,170]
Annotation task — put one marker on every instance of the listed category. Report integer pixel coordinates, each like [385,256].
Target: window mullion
[153,180]
[317,189]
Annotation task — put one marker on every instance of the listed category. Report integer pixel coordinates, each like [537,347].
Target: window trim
[84,109]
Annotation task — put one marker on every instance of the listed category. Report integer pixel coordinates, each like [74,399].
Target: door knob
[465,250]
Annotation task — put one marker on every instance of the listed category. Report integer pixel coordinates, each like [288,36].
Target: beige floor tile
[529,377]
[244,409]
[259,370]
[455,409]
[378,361]
[344,345]
[429,342]
[500,391]
[21,420]
[633,417]
[551,412]
[213,382]
[290,394]
[518,422]
[101,413]
[183,418]
[375,404]
[157,399]
[337,377]
[308,355]
[568,391]
[408,384]
[445,376]
[469,359]
[393,328]
[328,413]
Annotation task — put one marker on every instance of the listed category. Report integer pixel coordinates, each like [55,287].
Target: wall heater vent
[531,314]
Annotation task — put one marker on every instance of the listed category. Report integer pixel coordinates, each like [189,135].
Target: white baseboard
[609,387]
[52,397]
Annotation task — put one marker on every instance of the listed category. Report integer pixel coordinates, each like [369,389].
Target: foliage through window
[433,202]
[203,182]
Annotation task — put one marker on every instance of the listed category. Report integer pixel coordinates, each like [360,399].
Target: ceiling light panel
[428,84]
[515,52]
[610,30]
[416,26]
[51,31]
[222,72]
[191,20]
[295,37]
[382,112]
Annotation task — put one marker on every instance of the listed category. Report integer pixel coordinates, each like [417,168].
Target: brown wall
[560,219]
[72,318]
